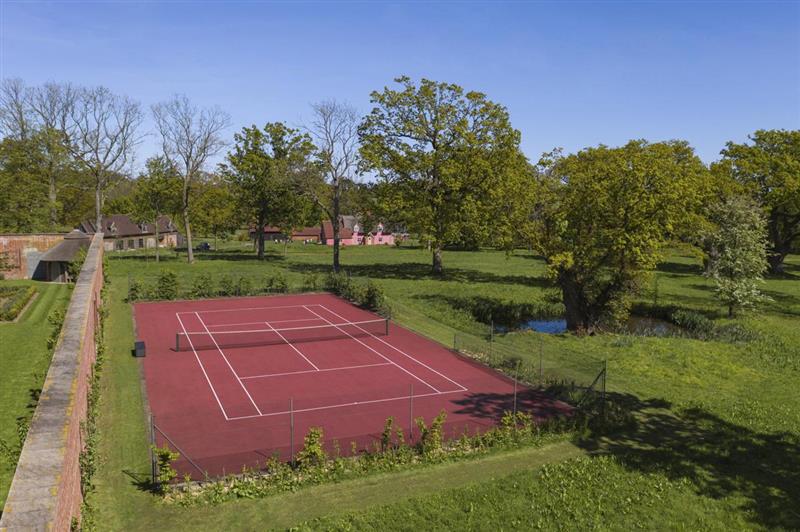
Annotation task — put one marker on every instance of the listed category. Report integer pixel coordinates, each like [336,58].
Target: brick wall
[45,493]
[23,251]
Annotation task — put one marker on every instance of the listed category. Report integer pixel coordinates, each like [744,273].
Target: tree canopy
[603,215]
[769,170]
[263,170]
[445,151]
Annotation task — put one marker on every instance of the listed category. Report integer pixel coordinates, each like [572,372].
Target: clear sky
[572,74]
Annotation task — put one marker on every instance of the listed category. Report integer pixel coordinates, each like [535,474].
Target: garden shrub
[277,283]
[227,286]
[311,282]
[244,287]
[134,289]
[432,436]
[16,297]
[374,298]
[312,452]
[694,322]
[164,470]
[167,285]
[203,286]
[74,267]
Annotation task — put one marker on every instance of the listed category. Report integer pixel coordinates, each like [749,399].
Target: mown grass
[715,446]
[24,359]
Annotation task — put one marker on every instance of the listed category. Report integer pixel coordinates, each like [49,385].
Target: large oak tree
[445,151]
[602,216]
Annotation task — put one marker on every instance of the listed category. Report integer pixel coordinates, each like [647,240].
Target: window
[141,242]
[131,244]
[120,244]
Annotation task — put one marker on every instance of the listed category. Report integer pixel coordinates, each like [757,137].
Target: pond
[638,325]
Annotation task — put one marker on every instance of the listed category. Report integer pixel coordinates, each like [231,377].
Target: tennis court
[232,382]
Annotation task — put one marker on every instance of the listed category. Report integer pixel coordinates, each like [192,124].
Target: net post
[291,431]
[177,342]
[387,326]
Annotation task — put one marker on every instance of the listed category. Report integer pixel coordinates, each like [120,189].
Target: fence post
[541,356]
[516,377]
[411,413]
[291,431]
[152,445]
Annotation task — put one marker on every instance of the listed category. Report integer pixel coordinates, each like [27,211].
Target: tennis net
[198,341]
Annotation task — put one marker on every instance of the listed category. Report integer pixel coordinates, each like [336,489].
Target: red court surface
[246,369]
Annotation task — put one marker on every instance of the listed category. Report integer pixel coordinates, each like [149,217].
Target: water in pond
[636,325]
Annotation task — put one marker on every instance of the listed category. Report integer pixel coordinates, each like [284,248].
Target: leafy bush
[276,283]
[202,287]
[227,286]
[311,282]
[164,470]
[74,267]
[16,297]
[244,287]
[431,437]
[167,285]
[374,298]
[134,289]
[312,452]
[694,322]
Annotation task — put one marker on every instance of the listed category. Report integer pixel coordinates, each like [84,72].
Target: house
[121,233]
[54,263]
[351,233]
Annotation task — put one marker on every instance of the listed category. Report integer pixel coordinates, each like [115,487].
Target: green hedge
[15,299]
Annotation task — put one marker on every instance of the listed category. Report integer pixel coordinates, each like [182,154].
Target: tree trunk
[215,241]
[188,227]
[730,311]
[335,225]
[53,197]
[775,259]
[260,238]
[779,248]
[156,225]
[438,269]
[98,207]
[575,310]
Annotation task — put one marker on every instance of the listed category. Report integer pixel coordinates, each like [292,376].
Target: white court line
[373,350]
[228,363]
[259,322]
[292,345]
[203,370]
[372,401]
[238,309]
[463,389]
[266,375]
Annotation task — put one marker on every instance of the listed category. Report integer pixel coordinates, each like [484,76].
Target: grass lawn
[717,443]
[24,359]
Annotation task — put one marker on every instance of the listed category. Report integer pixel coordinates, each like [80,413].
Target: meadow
[716,443]
[25,352]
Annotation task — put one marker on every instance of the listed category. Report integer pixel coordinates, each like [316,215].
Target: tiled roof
[121,225]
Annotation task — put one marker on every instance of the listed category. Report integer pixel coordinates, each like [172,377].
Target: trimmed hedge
[16,297]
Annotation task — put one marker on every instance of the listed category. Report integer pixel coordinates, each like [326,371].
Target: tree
[263,170]
[103,132]
[444,150]
[769,169]
[157,192]
[189,136]
[335,132]
[739,257]
[22,188]
[15,113]
[602,216]
[52,105]
[216,209]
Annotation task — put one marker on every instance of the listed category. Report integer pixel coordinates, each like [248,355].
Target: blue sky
[572,74]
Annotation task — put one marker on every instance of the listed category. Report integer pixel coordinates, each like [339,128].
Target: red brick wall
[14,246]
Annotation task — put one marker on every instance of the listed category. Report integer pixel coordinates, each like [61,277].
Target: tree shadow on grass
[142,481]
[720,458]
[680,268]
[420,271]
